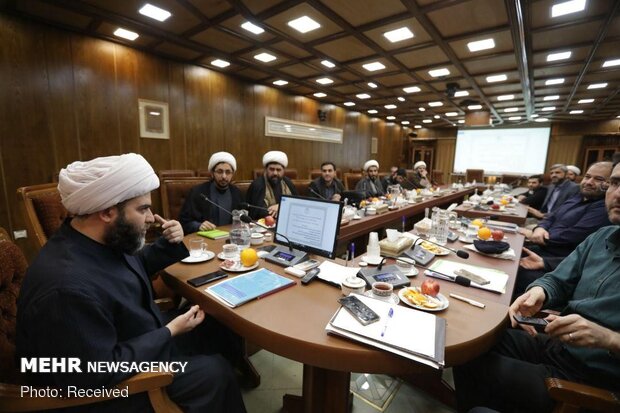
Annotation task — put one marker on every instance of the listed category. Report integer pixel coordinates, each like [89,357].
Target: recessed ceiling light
[534,115]
[400,99]
[324,81]
[411,89]
[576,112]
[541,120]
[372,111]
[435,104]
[506,97]
[597,86]
[390,106]
[567,7]
[363,96]
[418,126]
[349,103]
[496,78]
[154,12]
[126,34]
[586,101]
[398,34]
[618,116]
[265,57]
[552,57]
[548,108]
[514,118]
[557,81]
[372,85]
[427,121]
[508,110]
[327,63]
[280,82]
[474,107]
[481,45]
[405,122]
[221,63]
[461,121]
[451,114]
[421,109]
[610,63]
[552,97]
[373,66]
[304,24]
[439,72]
[391,117]
[320,94]
[437,116]
[251,27]
[461,93]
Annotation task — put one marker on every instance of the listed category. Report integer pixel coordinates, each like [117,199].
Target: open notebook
[409,333]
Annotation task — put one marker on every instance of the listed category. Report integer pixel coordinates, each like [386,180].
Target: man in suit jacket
[88,294]
[327,186]
[536,194]
[265,192]
[559,191]
[198,214]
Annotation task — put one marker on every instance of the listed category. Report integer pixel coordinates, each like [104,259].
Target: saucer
[204,257]
[393,299]
[372,261]
[238,267]
[221,256]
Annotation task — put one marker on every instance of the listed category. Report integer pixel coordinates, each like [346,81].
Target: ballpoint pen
[468,300]
[389,316]
[352,251]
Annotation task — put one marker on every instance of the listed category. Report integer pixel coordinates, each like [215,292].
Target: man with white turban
[198,214]
[88,293]
[572,173]
[265,192]
[420,178]
[371,184]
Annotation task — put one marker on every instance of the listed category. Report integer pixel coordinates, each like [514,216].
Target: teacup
[230,251]
[257,238]
[197,248]
[382,289]
[353,285]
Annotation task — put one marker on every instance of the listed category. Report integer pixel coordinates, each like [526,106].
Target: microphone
[316,193]
[245,205]
[213,203]
[248,220]
[460,253]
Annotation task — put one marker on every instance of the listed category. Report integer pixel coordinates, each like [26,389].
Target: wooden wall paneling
[564,149]
[199,116]
[126,95]
[97,118]
[444,157]
[176,105]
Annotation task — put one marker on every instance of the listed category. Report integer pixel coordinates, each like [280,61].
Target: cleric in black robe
[88,294]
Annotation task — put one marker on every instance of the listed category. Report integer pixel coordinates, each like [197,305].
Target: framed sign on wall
[154,121]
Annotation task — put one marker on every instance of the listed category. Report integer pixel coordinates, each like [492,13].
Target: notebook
[246,287]
[213,234]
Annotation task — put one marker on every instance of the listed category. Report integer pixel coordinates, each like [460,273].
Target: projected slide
[520,151]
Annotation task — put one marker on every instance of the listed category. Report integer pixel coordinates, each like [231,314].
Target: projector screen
[516,151]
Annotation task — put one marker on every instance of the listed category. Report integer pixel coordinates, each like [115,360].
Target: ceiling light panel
[280,82]
[221,63]
[461,93]
[363,96]
[474,107]
[496,78]
[505,97]
[304,24]
[328,64]
[610,63]
[582,101]
[567,7]
[390,106]
[514,118]
[391,117]
[481,45]
[265,57]
[427,121]
[372,111]
[418,126]
[548,108]
[126,34]
[373,66]
[556,81]
[597,86]
[552,97]
[324,81]
[252,28]
[435,104]
[405,122]
[451,114]
[508,110]
[411,89]
[552,57]
[398,35]
[154,12]
[576,112]
[319,95]
[372,85]
[400,99]
[439,72]
[349,103]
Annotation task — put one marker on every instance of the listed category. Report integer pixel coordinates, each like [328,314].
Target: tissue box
[396,248]
[381,209]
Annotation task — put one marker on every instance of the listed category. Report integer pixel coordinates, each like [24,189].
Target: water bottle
[441,222]
[240,233]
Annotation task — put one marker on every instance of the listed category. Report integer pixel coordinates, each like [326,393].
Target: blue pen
[404,219]
[352,251]
[389,314]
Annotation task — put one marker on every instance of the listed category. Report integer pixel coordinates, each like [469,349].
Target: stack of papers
[243,288]
[497,278]
[335,273]
[413,334]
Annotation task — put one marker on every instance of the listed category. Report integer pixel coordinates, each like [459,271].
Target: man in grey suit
[559,191]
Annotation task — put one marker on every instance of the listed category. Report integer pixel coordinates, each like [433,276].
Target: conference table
[291,323]
[516,215]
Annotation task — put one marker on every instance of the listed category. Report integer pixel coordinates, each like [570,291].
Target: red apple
[269,221]
[497,234]
[495,206]
[430,287]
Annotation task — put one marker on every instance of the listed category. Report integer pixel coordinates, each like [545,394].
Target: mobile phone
[310,275]
[530,321]
[307,265]
[359,310]
[204,279]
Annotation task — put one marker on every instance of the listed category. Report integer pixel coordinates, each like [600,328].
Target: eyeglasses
[223,172]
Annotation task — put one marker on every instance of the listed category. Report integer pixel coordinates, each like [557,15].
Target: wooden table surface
[518,215]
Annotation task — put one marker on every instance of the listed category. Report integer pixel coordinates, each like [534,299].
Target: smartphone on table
[204,279]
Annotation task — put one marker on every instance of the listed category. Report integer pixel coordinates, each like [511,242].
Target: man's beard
[275,180]
[124,237]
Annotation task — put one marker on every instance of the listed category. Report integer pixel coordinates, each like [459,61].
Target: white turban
[91,186]
[370,163]
[220,157]
[418,164]
[574,169]
[275,156]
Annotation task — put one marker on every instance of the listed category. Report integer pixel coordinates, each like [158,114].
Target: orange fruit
[249,257]
[484,233]
[477,223]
